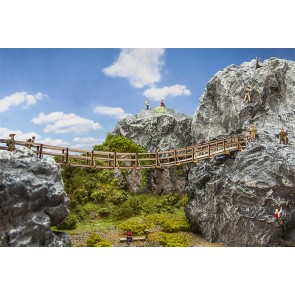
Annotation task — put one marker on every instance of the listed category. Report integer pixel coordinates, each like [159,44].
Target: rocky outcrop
[32,199]
[159,127]
[234,201]
[222,110]
[150,129]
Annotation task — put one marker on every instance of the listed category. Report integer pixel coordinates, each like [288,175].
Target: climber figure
[247,93]
[252,131]
[257,63]
[278,215]
[10,143]
[283,135]
[147,103]
[162,104]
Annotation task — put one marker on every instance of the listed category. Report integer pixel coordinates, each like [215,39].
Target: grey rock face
[32,199]
[222,110]
[234,203]
[150,129]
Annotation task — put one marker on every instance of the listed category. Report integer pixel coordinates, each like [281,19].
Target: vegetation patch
[70,223]
[94,240]
[170,240]
[136,224]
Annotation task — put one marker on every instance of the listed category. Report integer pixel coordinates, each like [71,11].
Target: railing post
[136,160]
[67,155]
[41,150]
[92,160]
[157,159]
[209,152]
[115,160]
[224,145]
[193,156]
[174,157]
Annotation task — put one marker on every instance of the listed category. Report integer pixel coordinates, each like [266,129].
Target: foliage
[88,211]
[175,225]
[117,143]
[69,223]
[136,224]
[170,240]
[160,109]
[94,240]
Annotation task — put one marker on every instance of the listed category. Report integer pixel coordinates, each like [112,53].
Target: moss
[136,224]
[94,240]
[170,240]
[70,223]
[171,226]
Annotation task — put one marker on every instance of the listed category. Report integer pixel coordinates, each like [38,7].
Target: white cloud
[65,123]
[20,98]
[20,136]
[173,91]
[140,66]
[117,113]
[86,142]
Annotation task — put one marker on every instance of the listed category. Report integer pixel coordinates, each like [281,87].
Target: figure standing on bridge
[10,143]
[247,93]
[257,63]
[162,104]
[147,103]
[129,237]
[252,131]
[29,142]
[283,136]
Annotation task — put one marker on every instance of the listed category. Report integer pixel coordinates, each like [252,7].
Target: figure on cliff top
[252,131]
[147,104]
[247,93]
[283,136]
[257,63]
[10,143]
[162,104]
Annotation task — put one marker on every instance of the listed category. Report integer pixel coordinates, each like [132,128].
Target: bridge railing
[111,160]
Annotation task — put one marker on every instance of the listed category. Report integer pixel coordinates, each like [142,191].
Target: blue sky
[73,97]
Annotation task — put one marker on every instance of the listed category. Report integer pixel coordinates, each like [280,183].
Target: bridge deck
[114,160]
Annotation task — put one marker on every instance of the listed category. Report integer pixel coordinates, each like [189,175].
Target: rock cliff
[222,110]
[233,201]
[150,129]
[32,199]
[159,127]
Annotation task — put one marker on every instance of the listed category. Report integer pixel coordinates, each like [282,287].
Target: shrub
[88,211]
[170,240]
[136,224]
[69,223]
[175,225]
[98,196]
[94,240]
[122,212]
[118,197]
[81,195]
[104,212]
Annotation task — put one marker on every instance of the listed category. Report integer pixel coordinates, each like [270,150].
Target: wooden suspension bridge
[115,160]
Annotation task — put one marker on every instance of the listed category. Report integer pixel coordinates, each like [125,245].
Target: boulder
[32,199]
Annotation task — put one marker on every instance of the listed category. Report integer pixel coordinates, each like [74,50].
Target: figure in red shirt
[129,237]
[278,215]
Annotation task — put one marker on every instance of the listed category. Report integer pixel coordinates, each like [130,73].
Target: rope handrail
[117,160]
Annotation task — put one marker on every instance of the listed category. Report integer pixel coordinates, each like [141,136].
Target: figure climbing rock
[257,63]
[247,93]
[147,104]
[278,215]
[283,136]
[252,131]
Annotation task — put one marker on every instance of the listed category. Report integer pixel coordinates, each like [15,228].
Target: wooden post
[115,160]
[193,156]
[136,160]
[92,161]
[67,155]
[41,150]
[174,157]
[157,159]
[224,145]
[209,150]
